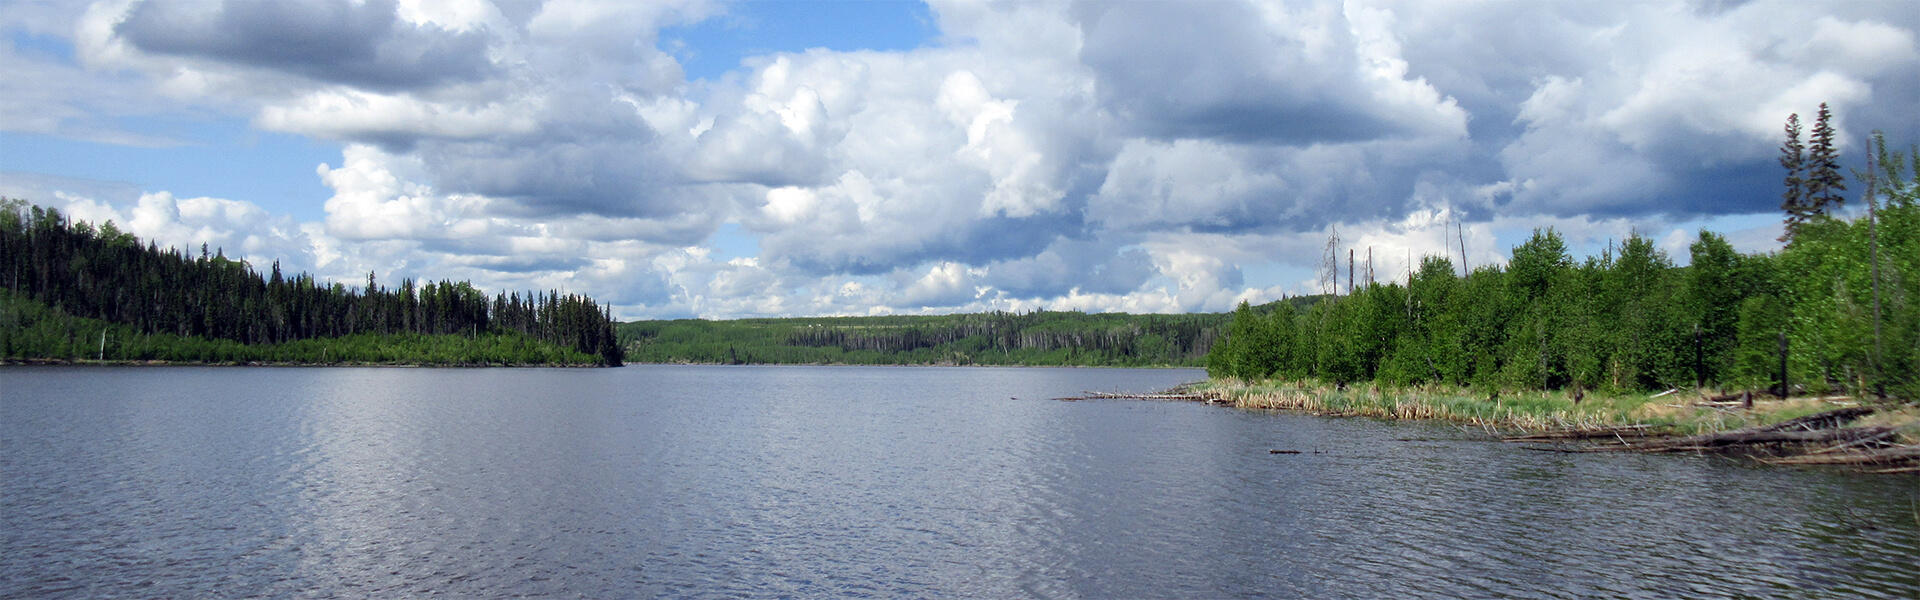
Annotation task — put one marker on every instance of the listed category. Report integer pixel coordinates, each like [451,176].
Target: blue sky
[731,159]
[715,46]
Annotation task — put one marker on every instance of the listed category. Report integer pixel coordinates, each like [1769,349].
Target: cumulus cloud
[1072,155]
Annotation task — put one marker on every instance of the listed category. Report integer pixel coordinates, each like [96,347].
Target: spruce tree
[1824,182]
[1793,157]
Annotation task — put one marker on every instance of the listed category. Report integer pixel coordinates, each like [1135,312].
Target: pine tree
[1793,157]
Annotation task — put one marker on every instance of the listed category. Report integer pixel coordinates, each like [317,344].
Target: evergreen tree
[105,274]
[1823,180]
[1793,157]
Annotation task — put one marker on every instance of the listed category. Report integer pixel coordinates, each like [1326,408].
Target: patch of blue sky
[221,158]
[34,45]
[711,48]
[1748,233]
[1274,273]
[731,241]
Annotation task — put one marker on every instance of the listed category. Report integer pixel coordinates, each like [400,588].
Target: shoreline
[58,362]
[841,364]
[1806,430]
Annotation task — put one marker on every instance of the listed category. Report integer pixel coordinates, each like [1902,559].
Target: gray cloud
[361,44]
[1176,70]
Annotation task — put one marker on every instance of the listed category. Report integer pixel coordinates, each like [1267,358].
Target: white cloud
[1088,156]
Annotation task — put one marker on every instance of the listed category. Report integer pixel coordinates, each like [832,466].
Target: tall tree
[1793,157]
[1824,182]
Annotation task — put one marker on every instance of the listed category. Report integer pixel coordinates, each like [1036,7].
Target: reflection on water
[812,481]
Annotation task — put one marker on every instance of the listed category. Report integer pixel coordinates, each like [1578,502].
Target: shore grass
[1680,412]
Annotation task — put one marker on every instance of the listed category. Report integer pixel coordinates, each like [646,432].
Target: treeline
[996,338]
[31,331]
[104,273]
[1839,306]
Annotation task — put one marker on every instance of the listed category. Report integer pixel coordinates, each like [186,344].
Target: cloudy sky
[728,159]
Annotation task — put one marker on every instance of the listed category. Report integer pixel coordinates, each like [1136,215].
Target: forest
[1837,310]
[1042,338]
[63,276]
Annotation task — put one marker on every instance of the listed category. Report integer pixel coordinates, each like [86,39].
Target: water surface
[669,481]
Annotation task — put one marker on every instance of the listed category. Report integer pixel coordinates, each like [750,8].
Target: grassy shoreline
[1680,413]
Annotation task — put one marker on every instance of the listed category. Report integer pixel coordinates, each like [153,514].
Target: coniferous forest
[62,276]
[1837,310]
[997,338]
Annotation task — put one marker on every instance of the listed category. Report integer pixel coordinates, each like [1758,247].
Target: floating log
[1283,452]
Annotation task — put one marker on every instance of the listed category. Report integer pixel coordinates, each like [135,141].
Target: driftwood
[1875,441]
[1118,396]
[1747,438]
[1595,433]
[1826,420]
[1894,456]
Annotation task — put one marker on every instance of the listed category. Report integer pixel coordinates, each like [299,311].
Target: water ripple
[863,482]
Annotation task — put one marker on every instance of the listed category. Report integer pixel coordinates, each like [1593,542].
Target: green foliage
[1844,292]
[1630,321]
[104,273]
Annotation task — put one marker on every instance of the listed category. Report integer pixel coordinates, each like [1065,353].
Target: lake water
[672,481]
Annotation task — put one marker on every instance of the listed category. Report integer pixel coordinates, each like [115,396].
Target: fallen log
[1616,432]
[1734,440]
[1826,420]
[1120,396]
[1860,443]
[1895,456]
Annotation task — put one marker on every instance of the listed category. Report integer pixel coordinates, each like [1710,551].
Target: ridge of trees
[994,338]
[107,274]
[1841,302]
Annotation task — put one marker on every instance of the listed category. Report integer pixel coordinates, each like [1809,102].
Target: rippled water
[847,481]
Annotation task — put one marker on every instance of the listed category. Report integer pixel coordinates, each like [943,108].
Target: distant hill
[997,338]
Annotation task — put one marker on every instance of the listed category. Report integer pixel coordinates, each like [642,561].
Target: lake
[700,481]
